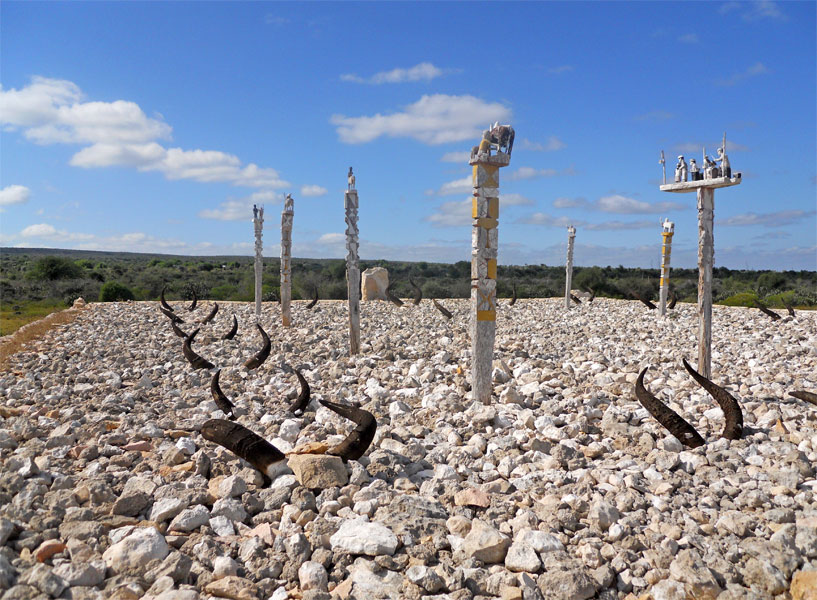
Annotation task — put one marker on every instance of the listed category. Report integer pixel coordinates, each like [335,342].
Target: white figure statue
[351,179]
[694,169]
[726,170]
[681,170]
[710,168]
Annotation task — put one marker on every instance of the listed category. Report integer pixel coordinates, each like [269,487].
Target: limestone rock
[373,284]
[318,471]
[136,550]
[361,537]
[804,586]
[232,587]
[485,543]
[313,576]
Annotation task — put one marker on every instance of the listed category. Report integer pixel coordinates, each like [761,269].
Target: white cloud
[514,200]
[38,230]
[540,218]
[424,71]
[755,11]
[756,69]
[435,119]
[456,213]
[774,219]
[622,225]
[50,111]
[552,144]
[531,173]
[331,239]
[560,69]
[44,230]
[569,202]
[240,209]
[630,206]
[14,194]
[689,38]
[311,191]
[457,157]
[458,186]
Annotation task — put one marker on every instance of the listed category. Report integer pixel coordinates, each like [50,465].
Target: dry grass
[16,342]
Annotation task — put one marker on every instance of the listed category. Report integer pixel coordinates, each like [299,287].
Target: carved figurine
[694,170]
[726,170]
[710,168]
[351,179]
[681,170]
[498,137]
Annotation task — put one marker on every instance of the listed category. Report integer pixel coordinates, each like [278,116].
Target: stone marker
[350,203]
[287,216]
[668,229]
[374,282]
[571,236]
[258,225]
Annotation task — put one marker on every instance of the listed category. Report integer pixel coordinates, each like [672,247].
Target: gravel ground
[564,487]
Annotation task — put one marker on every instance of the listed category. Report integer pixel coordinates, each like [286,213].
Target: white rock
[289,430]
[224,566]
[313,576]
[361,537]
[136,550]
[522,557]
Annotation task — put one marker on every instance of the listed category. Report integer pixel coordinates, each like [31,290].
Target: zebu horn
[418,292]
[667,417]
[194,359]
[163,301]
[192,307]
[575,299]
[394,299]
[300,404]
[246,445]
[212,314]
[674,301]
[171,315]
[231,334]
[789,308]
[768,312]
[223,402]
[442,309]
[314,300]
[177,330]
[644,301]
[804,395]
[513,298]
[733,415]
[360,438]
[258,360]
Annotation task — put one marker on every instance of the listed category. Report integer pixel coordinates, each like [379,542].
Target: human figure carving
[694,169]
[726,170]
[351,179]
[681,170]
[710,168]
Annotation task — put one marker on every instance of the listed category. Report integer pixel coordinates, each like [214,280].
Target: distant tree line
[29,275]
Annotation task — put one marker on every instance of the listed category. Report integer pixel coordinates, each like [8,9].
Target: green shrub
[225,291]
[741,299]
[51,268]
[113,291]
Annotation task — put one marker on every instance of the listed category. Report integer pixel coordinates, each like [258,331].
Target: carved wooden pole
[287,217]
[666,252]
[484,245]
[350,203]
[571,235]
[258,224]
[705,188]
[706,258]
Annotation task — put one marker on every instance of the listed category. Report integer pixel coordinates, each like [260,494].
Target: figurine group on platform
[711,169]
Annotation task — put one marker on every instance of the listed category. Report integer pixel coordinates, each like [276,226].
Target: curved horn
[513,298]
[300,404]
[575,299]
[212,314]
[394,299]
[360,438]
[442,309]
[671,420]
[789,308]
[194,359]
[590,291]
[804,395]
[177,330]
[766,311]
[163,301]
[645,302]
[171,315]
[418,292]
[314,300]
[192,307]
[231,334]
[223,402]
[733,429]
[673,301]
[258,360]
[246,445]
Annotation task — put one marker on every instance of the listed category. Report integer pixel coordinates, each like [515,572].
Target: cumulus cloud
[458,186]
[531,173]
[514,200]
[457,157]
[756,69]
[424,71]
[630,206]
[240,209]
[540,218]
[118,133]
[773,219]
[311,191]
[456,213]
[49,232]
[755,11]
[14,194]
[552,144]
[331,239]
[433,119]
[569,202]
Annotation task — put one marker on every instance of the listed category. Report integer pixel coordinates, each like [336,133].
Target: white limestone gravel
[563,487]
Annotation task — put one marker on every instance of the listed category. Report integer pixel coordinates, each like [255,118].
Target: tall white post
[571,236]
[287,217]
[484,246]
[258,225]
[350,203]
[706,258]
[666,252]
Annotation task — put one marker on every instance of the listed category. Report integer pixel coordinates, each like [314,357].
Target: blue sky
[156,126]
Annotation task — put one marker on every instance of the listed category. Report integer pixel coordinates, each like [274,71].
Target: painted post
[705,186]
[258,225]
[666,252]
[571,236]
[484,246]
[287,216]
[350,203]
